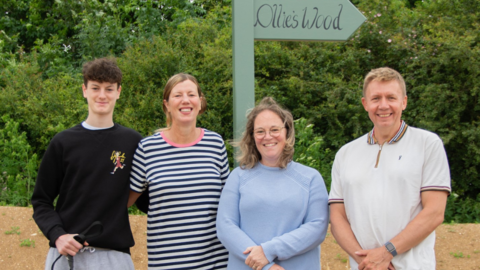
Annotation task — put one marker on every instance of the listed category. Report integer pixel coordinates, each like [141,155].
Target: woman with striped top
[185,169]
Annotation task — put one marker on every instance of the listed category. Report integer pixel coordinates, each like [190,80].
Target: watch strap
[391,248]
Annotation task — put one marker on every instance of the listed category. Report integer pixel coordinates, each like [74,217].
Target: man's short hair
[102,70]
[384,74]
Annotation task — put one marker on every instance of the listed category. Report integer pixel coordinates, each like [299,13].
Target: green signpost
[300,20]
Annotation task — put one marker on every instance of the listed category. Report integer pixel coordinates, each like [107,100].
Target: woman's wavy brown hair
[249,155]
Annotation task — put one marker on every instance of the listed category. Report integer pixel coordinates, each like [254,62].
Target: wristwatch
[391,248]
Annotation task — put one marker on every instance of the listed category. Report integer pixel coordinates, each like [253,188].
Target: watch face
[391,248]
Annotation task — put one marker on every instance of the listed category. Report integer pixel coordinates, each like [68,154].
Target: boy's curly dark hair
[102,70]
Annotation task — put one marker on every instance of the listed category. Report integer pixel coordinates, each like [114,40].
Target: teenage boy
[88,168]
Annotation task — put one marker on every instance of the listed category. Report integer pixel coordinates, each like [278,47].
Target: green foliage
[434,44]
[27,243]
[18,165]
[457,254]
[435,47]
[462,210]
[310,150]
[133,210]
[66,33]
[13,231]
[341,258]
[200,48]
[45,106]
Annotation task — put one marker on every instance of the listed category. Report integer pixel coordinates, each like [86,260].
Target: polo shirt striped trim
[330,201]
[399,135]
[436,188]
[380,201]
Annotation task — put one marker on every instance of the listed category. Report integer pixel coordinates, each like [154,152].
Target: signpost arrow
[321,20]
[301,20]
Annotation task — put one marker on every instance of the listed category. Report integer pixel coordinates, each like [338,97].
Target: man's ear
[364,101]
[119,91]
[84,89]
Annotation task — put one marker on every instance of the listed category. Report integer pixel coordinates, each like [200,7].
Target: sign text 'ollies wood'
[275,16]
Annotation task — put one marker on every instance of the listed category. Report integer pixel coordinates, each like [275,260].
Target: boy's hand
[66,245]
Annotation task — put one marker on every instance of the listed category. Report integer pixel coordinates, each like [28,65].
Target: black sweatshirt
[78,167]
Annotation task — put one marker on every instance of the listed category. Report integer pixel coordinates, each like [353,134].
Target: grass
[13,231]
[341,258]
[27,243]
[457,254]
[451,230]
[133,210]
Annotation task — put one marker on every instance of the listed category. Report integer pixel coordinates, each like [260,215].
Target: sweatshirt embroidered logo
[117,158]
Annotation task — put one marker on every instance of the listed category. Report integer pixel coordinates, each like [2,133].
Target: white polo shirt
[380,187]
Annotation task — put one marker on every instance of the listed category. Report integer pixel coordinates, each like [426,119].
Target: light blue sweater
[283,210]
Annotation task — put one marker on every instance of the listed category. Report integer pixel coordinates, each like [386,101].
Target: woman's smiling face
[184,103]
[270,147]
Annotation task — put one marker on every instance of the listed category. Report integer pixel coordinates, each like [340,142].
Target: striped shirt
[184,185]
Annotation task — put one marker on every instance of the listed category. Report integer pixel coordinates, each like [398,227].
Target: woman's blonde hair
[249,154]
[172,82]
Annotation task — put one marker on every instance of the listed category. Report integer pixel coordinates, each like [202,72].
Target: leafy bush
[310,150]
[462,210]
[43,107]
[18,165]
[434,44]
[200,48]
[66,33]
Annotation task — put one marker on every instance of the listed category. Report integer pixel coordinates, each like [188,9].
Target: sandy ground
[23,246]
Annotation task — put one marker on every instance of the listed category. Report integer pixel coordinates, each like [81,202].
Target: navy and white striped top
[184,184]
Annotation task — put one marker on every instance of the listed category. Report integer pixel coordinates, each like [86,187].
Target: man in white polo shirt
[390,186]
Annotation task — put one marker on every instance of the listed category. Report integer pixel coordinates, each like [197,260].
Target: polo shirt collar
[401,131]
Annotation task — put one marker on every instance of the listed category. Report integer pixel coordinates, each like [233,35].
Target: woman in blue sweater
[273,212]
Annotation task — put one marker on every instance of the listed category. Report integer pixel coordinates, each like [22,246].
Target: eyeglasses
[274,132]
